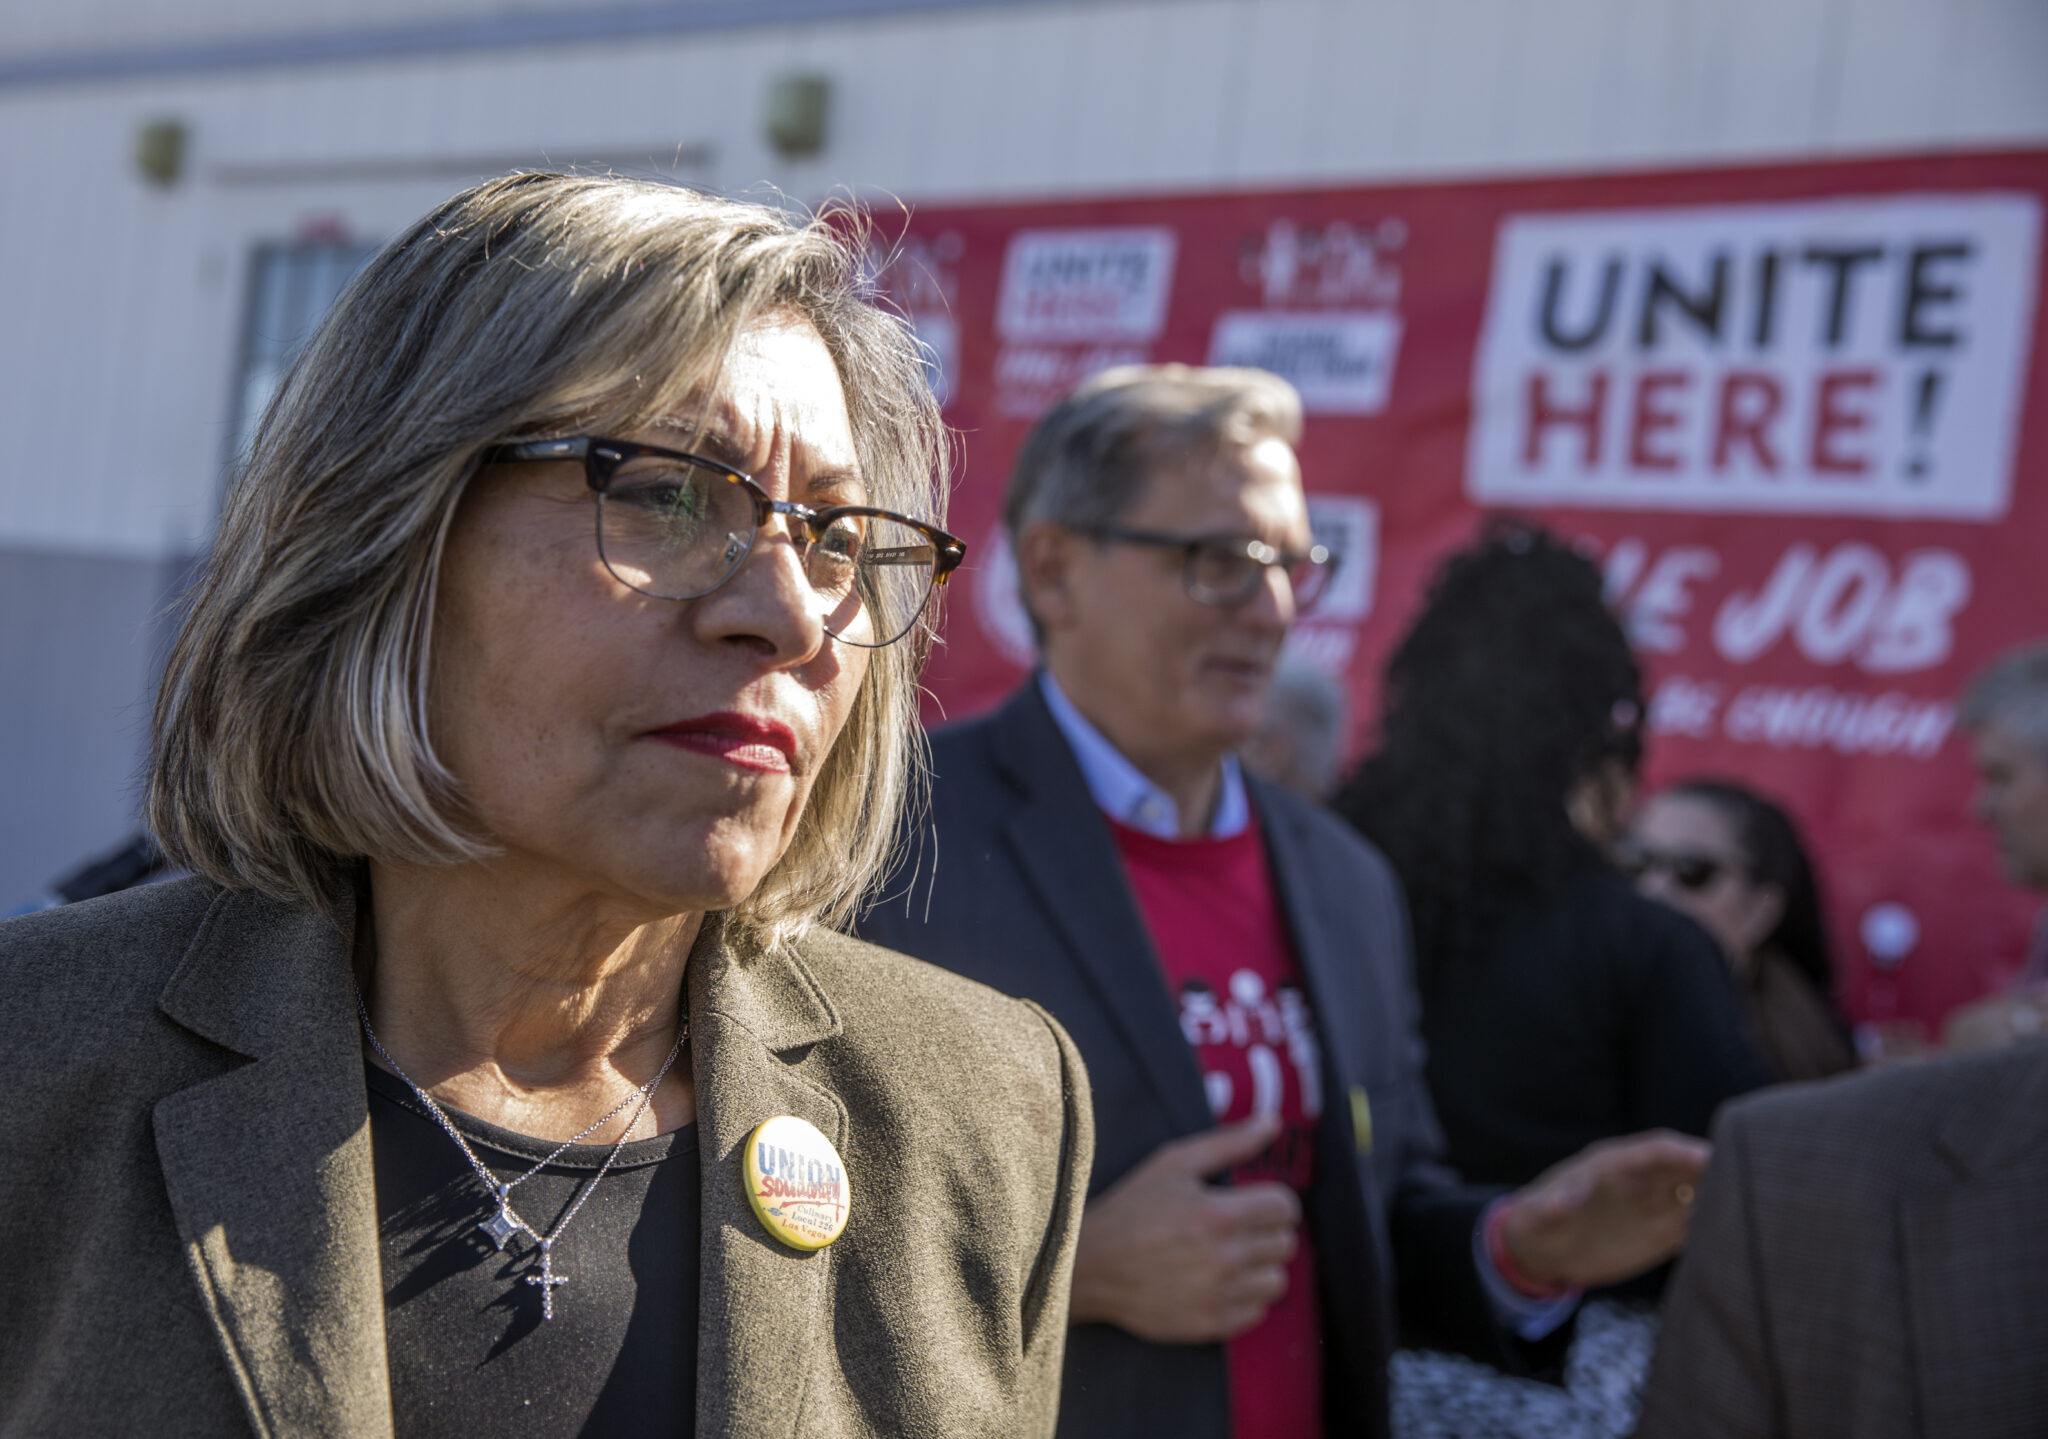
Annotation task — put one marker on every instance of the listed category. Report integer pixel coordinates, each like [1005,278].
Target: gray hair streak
[290,736]
[2011,691]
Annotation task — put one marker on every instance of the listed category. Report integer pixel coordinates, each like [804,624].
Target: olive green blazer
[188,1224]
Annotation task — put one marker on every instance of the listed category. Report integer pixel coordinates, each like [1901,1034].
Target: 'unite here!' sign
[1853,357]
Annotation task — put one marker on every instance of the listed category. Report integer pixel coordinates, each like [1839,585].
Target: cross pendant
[547,1279]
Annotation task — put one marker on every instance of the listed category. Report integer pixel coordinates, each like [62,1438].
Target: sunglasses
[1690,872]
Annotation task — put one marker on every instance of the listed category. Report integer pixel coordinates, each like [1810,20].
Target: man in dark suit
[1869,1261]
[1223,951]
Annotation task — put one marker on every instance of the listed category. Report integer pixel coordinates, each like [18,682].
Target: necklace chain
[506,1222]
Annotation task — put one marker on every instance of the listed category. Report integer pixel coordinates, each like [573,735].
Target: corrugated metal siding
[78,641]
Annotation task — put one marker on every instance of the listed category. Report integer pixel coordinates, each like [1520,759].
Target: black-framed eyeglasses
[1228,570]
[677,526]
[1689,870]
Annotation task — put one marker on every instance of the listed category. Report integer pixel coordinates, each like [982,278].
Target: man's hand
[1178,1261]
[1997,1021]
[1609,1212]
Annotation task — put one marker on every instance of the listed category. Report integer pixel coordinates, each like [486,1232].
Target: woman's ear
[1599,804]
[1582,806]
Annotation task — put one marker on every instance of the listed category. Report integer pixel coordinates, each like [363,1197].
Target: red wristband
[1504,1264]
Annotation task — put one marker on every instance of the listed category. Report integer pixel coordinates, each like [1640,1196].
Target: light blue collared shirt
[1126,795]
[1123,793]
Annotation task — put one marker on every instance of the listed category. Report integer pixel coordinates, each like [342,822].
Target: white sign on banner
[1342,361]
[1083,286]
[1350,526]
[1856,357]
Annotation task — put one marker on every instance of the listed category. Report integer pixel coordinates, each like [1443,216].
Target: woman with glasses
[1733,860]
[547,705]
[1560,1007]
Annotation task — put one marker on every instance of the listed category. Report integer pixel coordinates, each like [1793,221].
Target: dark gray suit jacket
[1015,881]
[1869,1261]
[190,1218]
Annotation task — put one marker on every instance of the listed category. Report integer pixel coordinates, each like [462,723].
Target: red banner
[1792,406]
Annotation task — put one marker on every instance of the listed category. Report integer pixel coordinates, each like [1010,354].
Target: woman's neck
[530,1004]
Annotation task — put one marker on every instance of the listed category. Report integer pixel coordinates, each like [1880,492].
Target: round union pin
[796,1183]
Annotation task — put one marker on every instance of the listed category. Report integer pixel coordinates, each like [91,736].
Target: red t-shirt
[1231,969]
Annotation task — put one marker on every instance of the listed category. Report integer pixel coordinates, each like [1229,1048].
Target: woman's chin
[672,865]
[703,882]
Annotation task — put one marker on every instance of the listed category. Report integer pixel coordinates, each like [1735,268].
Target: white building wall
[126,300]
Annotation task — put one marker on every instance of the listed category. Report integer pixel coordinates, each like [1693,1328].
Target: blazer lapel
[1351,1212]
[1976,1268]
[765,1333]
[1063,846]
[268,1169]
[1325,965]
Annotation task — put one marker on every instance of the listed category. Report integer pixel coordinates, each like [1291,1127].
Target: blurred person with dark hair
[1506,768]
[1232,960]
[1733,860]
[1300,740]
[1559,1007]
[2005,712]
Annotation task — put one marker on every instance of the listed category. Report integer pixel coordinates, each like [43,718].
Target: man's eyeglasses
[1228,571]
[677,526]
[1689,871]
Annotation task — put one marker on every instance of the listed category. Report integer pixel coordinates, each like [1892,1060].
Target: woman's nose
[769,601]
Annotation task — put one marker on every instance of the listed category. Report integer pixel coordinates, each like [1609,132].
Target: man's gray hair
[1088,458]
[291,737]
[2011,691]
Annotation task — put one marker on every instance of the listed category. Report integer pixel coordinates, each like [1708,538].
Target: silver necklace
[506,1222]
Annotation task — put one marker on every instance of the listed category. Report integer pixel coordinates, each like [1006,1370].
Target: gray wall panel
[79,637]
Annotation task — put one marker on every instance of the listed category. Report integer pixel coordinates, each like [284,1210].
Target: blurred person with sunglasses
[542,713]
[1560,1008]
[1230,958]
[1733,860]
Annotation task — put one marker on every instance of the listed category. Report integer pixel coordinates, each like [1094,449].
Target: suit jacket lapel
[1976,1268]
[1326,964]
[1351,1214]
[268,1169]
[1064,848]
[765,1331]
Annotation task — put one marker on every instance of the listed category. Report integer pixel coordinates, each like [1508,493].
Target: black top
[1595,1014]
[469,1352]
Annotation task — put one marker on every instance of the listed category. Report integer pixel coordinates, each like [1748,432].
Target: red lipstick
[744,740]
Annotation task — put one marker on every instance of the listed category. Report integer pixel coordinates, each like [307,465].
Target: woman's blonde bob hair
[290,738]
